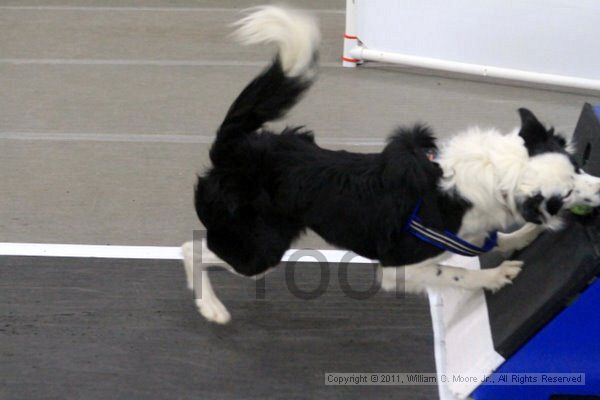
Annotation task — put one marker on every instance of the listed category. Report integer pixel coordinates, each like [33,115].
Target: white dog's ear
[532,131]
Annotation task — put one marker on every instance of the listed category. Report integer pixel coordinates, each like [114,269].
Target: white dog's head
[552,180]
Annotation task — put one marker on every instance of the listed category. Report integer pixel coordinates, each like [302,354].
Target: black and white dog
[265,189]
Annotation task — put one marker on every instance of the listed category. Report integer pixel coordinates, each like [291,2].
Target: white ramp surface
[462,335]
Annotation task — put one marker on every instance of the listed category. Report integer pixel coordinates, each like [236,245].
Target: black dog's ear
[530,209]
[532,130]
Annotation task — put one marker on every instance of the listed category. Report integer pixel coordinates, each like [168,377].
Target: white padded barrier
[550,42]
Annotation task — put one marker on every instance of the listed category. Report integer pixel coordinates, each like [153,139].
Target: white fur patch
[296,34]
[495,173]
[484,167]
[586,191]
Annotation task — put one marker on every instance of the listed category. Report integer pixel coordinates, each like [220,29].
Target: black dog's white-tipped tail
[295,33]
[273,92]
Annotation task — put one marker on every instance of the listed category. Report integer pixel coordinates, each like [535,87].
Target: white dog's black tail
[272,93]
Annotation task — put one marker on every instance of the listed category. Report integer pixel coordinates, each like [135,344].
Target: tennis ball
[582,209]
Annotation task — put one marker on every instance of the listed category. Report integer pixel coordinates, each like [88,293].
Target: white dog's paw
[213,310]
[187,250]
[506,245]
[389,282]
[503,274]
[514,241]
[527,240]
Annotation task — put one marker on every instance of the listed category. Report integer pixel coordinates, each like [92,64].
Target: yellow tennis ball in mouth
[582,209]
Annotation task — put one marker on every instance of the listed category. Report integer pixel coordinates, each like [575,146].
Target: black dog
[400,206]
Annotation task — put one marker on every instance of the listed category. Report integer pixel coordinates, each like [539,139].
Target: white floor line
[142,62]
[191,138]
[107,137]
[151,252]
[90,251]
[163,9]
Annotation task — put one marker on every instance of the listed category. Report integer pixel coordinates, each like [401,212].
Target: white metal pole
[362,53]
[350,39]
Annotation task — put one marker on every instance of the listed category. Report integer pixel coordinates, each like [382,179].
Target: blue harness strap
[446,240]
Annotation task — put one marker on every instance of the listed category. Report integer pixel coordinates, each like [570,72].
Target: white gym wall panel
[545,41]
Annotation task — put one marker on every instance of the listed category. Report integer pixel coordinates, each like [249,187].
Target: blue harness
[446,240]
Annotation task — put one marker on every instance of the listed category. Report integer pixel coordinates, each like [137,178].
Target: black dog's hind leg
[250,250]
[196,260]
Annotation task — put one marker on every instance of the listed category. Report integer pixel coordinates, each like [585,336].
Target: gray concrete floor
[107,110]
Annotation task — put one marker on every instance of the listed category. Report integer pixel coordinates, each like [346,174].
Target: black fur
[265,189]
[531,208]
[540,140]
[554,204]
